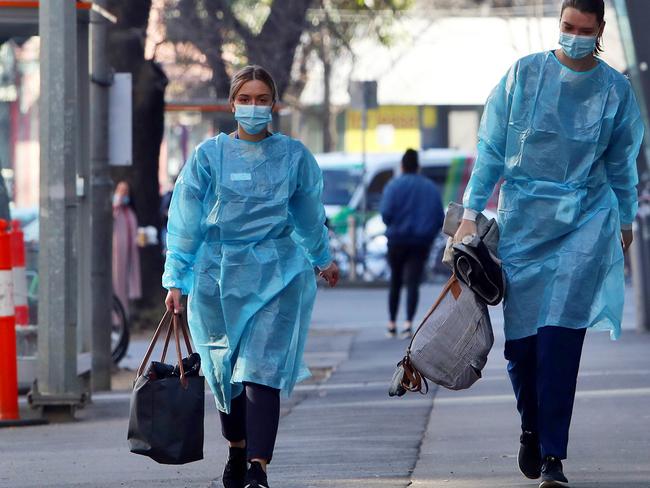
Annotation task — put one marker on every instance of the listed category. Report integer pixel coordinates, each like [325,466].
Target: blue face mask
[577,47]
[253,118]
[117,200]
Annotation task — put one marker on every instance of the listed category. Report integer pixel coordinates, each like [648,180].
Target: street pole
[363,96]
[101,210]
[84,248]
[364,162]
[57,389]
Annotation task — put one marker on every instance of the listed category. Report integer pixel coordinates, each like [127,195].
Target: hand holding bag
[167,403]
[488,232]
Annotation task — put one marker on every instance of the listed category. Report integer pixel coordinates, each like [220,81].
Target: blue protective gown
[566,144]
[246,228]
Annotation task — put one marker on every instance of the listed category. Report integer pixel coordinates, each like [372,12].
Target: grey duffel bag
[451,345]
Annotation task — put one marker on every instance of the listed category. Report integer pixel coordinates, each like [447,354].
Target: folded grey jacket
[475,266]
[474,261]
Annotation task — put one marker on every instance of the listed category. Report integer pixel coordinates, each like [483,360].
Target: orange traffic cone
[18,270]
[8,368]
[9,414]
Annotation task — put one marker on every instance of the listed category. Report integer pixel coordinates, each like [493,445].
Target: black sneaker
[530,455]
[256,477]
[552,475]
[234,474]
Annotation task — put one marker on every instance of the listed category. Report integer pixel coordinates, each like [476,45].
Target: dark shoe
[256,477]
[552,475]
[530,456]
[234,474]
[391,332]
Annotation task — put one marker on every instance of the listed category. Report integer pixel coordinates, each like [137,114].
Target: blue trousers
[543,369]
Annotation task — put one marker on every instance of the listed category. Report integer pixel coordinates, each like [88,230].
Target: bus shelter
[61,367]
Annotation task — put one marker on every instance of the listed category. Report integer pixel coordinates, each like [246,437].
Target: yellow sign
[429,117]
[390,128]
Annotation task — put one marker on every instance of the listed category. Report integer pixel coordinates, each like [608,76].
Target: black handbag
[168,401]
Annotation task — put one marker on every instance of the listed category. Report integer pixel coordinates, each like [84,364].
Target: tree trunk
[327,91]
[204,32]
[275,46]
[126,54]
[220,78]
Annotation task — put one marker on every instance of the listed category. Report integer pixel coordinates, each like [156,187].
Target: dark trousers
[543,370]
[254,417]
[406,262]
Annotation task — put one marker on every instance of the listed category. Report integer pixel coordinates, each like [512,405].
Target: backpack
[451,345]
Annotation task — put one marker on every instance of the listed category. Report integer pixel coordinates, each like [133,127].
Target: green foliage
[347,19]
[252,13]
[232,33]
[374,5]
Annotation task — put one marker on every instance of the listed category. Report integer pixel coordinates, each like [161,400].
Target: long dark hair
[596,7]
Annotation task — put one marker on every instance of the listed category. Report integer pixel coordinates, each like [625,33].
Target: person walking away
[564,130]
[246,230]
[411,208]
[126,258]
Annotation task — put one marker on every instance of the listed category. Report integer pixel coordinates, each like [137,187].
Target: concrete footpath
[342,429]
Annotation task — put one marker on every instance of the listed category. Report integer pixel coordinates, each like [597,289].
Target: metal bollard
[352,231]
[641,267]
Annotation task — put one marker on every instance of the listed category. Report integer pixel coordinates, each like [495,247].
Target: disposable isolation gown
[566,144]
[246,227]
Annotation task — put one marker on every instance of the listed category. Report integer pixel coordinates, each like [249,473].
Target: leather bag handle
[451,285]
[165,321]
[176,323]
[178,327]
[182,327]
[166,343]
[186,333]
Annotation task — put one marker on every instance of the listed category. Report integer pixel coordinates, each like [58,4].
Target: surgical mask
[577,47]
[117,200]
[253,118]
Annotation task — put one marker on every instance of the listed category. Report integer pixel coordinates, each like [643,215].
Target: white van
[342,174]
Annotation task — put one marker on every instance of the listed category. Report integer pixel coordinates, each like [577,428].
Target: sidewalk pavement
[344,430]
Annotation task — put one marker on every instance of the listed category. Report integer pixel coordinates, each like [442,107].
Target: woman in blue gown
[246,229]
[563,130]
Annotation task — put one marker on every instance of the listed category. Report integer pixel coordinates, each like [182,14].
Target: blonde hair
[249,73]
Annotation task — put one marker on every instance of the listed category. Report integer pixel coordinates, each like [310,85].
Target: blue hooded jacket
[411,208]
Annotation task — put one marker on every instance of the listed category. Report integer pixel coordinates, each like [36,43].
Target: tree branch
[229,18]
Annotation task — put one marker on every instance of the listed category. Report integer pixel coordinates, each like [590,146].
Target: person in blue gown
[563,130]
[246,229]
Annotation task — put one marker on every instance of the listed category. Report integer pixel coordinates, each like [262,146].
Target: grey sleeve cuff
[325,267]
[470,214]
[626,226]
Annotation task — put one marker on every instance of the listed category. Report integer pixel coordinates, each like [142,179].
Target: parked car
[344,181]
